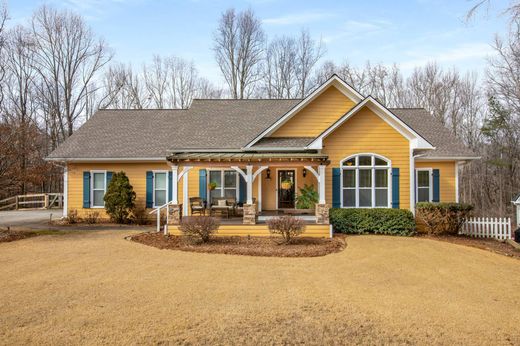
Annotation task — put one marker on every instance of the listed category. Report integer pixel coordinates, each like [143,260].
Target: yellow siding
[446,178]
[261,230]
[317,116]
[366,132]
[136,173]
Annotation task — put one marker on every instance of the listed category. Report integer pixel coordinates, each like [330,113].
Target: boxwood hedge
[378,221]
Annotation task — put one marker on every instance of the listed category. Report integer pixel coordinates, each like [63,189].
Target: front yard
[96,287]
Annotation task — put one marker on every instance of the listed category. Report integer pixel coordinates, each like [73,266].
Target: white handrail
[159,208]
[158,211]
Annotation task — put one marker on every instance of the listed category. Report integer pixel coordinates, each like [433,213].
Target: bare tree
[156,82]
[308,54]
[239,46]
[68,57]
[280,68]
[182,82]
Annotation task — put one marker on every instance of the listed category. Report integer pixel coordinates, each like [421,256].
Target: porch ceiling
[249,158]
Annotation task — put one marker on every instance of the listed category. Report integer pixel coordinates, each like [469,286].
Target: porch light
[268,174]
[304,172]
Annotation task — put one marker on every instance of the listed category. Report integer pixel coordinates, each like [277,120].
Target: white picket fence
[488,227]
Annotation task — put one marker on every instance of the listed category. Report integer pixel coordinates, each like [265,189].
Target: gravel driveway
[97,288]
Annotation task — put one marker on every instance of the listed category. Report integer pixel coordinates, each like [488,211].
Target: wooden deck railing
[33,201]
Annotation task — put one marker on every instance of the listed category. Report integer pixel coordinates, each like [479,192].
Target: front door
[286,188]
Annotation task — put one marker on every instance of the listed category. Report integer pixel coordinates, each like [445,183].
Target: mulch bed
[492,245]
[248,246]
[9,235]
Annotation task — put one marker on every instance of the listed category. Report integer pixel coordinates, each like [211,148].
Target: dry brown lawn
[97,288]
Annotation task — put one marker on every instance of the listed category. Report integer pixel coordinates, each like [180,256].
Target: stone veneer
[175,214]
[322,214]
[249,214]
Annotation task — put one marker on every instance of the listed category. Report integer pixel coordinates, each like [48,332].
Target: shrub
[443,218]
[307,198]
[202,227]
[92,217]
[378,221]
[72,217]
[287,226]
[119,198]
[140,216]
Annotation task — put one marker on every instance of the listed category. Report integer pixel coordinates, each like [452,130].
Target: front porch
[246,188]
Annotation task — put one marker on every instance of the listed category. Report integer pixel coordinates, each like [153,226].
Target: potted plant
[286,184]
[212,186]
[307,199]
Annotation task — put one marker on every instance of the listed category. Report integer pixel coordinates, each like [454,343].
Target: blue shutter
[242,189]
[436,186]
[149,189]
[202,184]
[109,178]
[336,188]
[170,185]
[395,188]
[86,189]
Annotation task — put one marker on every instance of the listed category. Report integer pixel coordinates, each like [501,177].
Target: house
[354,150]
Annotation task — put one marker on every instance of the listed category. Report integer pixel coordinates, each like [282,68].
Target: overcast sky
[408,33]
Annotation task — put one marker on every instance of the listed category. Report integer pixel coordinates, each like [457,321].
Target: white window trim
[430,183]
[373,188]
[222,188]
[167,186]
[92,188]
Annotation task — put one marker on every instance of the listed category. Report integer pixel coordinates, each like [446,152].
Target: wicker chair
[197,206]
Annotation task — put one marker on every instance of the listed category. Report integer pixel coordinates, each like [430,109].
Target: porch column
[249,181]
[322,208]
[259,200]
[175,186]
[185,197]
[321,184]
[65,190]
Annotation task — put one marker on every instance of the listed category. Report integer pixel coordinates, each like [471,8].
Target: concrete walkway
[28,218]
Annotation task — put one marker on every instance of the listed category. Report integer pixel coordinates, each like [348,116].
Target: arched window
[365,181]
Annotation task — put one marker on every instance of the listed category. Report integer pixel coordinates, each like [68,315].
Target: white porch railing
[158,212]
[488,227]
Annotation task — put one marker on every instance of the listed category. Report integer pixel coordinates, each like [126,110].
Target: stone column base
[249,214]
[322,214]
[175,216]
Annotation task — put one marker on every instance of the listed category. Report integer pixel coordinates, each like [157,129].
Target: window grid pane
[349,178]
[423,178]
[365,198]
[365,178]
[97,198]
[349,197]
[381,178]
[230,179]
[160,181]
[99,181]
[381,197]
[423,194]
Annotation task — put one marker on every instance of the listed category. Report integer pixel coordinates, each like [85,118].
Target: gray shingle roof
[446,144]
[214,124]
[282,142]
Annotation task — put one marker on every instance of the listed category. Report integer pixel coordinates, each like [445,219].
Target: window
[424,185]
[227,184]
[98,189]
[160,188]
[365,182]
